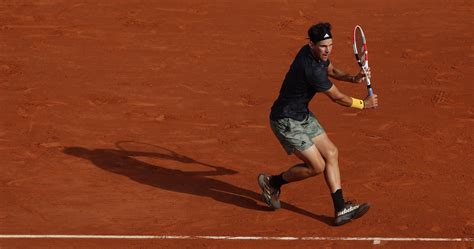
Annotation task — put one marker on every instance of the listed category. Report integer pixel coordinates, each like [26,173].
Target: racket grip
[369,87]
[371,92]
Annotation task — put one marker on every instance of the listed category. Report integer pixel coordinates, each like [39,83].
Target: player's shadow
[198,183]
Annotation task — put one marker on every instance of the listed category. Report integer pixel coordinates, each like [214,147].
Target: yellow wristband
[357,103]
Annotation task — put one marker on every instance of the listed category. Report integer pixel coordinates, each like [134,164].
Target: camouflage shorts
[296,135]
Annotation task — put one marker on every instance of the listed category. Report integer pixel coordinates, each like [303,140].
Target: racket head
[360,47]
[361,54]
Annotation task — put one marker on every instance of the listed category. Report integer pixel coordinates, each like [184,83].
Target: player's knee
[332,153]
[316,168]
[319,168]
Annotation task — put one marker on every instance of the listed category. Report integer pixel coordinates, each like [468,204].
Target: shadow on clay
[122,161]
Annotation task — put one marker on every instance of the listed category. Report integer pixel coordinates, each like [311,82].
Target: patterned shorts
[296,135]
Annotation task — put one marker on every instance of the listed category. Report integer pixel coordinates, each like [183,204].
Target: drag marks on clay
[374,136]
[94,35]
[205,124]
[103,99]
[11,26]
[66,10]
[20,181]
[249,100]
[256,126]
[469,118]
[130,21]
[244,124]
[350,114]
[144,104]
[194,89]
[50,145]
[204,141]
[150,116]
[413,55]
[10,148]
[48,103]
[386,126]
[3,134]
[194,11]
[447,76]
[241,100]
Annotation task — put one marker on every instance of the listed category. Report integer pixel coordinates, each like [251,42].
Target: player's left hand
[361,75]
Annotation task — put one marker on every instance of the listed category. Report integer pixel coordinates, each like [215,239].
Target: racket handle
[369,86]
[371,92]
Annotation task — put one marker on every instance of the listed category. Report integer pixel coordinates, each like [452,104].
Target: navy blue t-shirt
[306,76]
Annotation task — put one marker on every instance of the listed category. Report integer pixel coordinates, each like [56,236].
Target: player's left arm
[338,74]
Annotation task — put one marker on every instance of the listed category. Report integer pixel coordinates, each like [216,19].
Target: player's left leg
[331,155]
[344,211]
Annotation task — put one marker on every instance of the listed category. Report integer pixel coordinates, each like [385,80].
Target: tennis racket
[361,54]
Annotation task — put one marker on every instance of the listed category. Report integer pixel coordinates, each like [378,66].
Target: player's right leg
[295,137]
[313,164]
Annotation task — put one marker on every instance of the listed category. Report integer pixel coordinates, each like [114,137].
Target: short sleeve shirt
[306,76]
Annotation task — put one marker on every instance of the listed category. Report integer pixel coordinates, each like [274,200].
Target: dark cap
[319,32]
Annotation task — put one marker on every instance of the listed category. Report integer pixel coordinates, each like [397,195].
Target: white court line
[376,240]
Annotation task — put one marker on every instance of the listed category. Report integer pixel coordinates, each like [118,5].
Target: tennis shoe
[270,194]
[351,211]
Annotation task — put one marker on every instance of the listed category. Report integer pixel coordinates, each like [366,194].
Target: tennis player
[298,130]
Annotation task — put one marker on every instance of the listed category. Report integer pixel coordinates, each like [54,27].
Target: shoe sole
[261,183]
[360,212]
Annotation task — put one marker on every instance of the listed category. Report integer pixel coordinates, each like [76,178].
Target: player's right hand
[371,101]
[360,77]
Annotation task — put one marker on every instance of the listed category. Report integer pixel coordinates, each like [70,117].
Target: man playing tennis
[299,131]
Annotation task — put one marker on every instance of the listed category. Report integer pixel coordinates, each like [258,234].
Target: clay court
[150,118]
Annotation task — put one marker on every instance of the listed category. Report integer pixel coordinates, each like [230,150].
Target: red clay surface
[151,118]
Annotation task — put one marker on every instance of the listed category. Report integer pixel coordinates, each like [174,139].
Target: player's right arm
[338,74]
[337,96]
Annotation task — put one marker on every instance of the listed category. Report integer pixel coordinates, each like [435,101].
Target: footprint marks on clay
[411,54]
[288,22]
[9,69]
[439,98]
